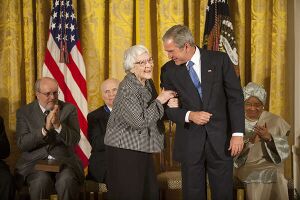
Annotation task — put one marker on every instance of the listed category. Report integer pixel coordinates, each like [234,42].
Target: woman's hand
[173,103]
[254,138]
[165,95]
[262,132]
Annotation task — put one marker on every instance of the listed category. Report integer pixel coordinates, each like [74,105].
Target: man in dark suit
[210,117]
[7,187]
[48,129]
[97,121]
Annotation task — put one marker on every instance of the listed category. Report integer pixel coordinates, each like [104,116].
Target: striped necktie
[46,113]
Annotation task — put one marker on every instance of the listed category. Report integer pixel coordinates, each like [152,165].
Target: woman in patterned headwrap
[260,164]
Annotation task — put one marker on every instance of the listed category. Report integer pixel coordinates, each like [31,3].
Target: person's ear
[186,45]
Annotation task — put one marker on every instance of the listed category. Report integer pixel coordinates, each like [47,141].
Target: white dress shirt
[197,67]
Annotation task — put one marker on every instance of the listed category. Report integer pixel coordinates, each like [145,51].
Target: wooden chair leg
[208,193]
[240,194]
[53,197]
[162,194]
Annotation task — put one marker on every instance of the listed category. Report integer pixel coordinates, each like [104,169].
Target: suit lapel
[207,73]
[182,74]
[38,114]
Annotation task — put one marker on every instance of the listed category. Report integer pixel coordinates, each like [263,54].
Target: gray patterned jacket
[135,120]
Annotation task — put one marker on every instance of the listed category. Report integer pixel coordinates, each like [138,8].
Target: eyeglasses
[256,105]
[54,94]
[144,62]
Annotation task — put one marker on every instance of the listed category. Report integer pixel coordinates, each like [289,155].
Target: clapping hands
[52,120]
[262,132]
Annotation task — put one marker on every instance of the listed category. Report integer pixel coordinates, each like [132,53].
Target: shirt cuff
[58,130]
[238,134]
[44,132]
[187,116]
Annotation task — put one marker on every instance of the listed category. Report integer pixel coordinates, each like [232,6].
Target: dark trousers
[131,175]
[219,174]
[7,186]
[43,184]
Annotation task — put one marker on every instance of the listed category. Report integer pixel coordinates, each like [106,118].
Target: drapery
[108,27]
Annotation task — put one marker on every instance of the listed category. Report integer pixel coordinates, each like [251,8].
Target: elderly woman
[134,130]
[260,164]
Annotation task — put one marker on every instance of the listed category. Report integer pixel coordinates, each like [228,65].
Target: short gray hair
[180,34]
[131,54]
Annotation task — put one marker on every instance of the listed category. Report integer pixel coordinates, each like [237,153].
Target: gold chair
[169,178]
[94,190]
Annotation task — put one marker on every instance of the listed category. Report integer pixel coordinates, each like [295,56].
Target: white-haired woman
[260,164]
[134,130]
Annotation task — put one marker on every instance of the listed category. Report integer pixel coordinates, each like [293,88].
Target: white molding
[294,41]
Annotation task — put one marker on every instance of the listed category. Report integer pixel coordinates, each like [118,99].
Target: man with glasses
[48,129]
[97,122]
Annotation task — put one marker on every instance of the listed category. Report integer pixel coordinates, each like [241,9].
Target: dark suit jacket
[97,121]
[4,145]
[34,146]
[222,96]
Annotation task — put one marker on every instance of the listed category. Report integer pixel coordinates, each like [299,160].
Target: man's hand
[236,145]
[55,117]
[48,124]
[200,118]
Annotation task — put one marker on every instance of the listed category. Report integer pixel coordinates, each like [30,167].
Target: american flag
[64,62]
[218,32]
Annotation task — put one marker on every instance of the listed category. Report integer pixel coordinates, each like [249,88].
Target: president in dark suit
[210,117]
[97,121]
[48,129]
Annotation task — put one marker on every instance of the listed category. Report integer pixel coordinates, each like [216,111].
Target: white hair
[131,54]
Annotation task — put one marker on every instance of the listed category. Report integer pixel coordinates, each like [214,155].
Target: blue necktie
[194,77]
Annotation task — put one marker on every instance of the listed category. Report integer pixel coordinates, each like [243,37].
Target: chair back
[166,156]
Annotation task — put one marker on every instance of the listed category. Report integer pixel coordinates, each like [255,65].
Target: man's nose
[52,96]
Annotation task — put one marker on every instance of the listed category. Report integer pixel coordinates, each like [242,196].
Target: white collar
[108,107]
[42,108]
[196,57]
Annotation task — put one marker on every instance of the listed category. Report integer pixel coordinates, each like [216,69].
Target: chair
[94,190]
[41,165]
[169,178]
